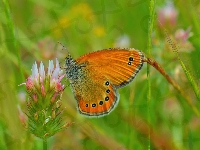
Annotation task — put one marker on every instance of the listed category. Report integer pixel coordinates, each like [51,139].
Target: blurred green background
[29,31]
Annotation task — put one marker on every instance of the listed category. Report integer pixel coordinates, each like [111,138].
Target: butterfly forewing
[120,66]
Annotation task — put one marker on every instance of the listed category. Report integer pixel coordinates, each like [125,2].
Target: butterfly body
[95,78]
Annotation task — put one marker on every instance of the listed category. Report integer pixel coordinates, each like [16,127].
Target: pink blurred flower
[167,15]
[46,47]
[183,35]
[22,116]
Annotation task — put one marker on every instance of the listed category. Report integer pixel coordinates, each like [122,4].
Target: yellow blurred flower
[81,10]
[99,31]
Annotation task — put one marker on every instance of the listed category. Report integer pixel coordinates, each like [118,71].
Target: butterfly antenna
[63,47]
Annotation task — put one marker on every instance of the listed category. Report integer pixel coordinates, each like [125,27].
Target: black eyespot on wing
[86,105]
[107,83]
[130,58]
[129,63]
[106,98]
[107,91]
[101,103]
[93,105]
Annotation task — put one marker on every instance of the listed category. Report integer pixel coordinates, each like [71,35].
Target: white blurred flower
[122,41]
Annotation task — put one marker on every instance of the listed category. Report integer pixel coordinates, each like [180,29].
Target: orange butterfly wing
[98,99]
[120,66]
[102,72]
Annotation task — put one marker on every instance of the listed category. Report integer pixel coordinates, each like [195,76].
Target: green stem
[44,144]
[150,29]
[189,77]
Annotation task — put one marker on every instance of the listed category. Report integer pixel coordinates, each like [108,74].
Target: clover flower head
[44,92]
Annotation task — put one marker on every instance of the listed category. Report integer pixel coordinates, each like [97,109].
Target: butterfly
[96,77]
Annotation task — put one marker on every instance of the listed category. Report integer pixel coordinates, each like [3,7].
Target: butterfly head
[70,63]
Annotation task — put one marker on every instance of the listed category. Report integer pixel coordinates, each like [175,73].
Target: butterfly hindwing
[96,96]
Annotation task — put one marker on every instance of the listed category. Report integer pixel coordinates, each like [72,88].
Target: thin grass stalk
[12,29]
[187,73]
[150,30]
